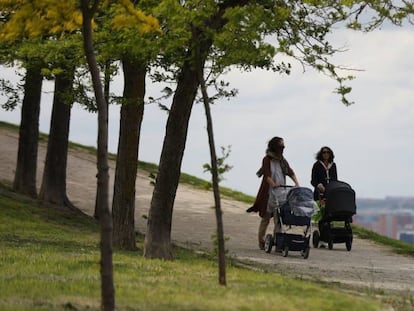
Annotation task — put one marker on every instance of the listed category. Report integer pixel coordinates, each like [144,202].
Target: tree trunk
[158,235]
[53,189]
[221,253]
[105,218]
[107,83]
[26,167]
[132,111]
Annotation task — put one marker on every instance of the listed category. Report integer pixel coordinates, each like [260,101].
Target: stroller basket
[288,218]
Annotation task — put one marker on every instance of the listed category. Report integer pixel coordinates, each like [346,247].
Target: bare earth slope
[367,265]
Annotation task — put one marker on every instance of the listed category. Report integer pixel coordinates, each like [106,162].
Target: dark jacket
[319,176]
[260,204]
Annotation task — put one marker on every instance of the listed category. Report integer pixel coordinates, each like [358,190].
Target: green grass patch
[49,260]
[397,246]
[9,126]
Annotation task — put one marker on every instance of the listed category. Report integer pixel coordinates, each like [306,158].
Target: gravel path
[367,265]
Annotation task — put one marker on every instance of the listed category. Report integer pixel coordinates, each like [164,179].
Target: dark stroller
[339,207]
[296,211]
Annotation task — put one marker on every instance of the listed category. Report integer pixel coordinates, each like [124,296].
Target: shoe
[252,209]
[262,245]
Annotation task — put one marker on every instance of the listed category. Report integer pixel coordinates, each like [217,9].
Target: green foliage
[129,17]
[372,14]
[50,261]
[222,167]
[37,19]
[214,250]
[12,93]
[242,42]
[319,212]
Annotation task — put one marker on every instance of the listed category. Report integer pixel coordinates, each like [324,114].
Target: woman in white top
[274,170]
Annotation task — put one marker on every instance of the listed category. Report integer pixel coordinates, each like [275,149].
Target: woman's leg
[264,223]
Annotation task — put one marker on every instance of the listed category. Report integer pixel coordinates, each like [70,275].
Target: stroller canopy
[300,201]
[340,199]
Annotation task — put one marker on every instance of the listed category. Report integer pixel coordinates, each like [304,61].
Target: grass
[397,246]
[49,260]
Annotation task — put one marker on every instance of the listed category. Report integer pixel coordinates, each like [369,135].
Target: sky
[372,139]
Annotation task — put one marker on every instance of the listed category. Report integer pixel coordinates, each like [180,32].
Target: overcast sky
[372,139]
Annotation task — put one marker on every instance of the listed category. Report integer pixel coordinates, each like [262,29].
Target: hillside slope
[368,265]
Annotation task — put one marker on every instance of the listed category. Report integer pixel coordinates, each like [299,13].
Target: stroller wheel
[330,244]
[315,239]
[348,244]
[305,252]
[268,243]
[285,251]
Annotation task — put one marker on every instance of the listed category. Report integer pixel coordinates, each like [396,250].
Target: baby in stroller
[295,212]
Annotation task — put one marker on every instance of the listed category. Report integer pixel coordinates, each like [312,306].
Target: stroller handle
[287,186]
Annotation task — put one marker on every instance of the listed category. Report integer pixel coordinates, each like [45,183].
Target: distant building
[406,236]
[392,217]
[388,225]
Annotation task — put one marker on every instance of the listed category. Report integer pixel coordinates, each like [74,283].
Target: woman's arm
[314,177]
[295,180]
[334,174]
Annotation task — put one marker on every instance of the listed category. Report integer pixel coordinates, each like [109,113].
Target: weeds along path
[367,265]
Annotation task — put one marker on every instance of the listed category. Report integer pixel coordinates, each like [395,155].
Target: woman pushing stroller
[274,170]
[323,171]
[336,202]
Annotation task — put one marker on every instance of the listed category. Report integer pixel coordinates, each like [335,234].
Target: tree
[26,166]
[235,33]
[64,55]
[105,218]
[134,44]
[24,27]
[215,180]
[158,235]
[107,86]
[107,281]
[202,29]
[16,52]
[132,111]
[53,188]
[370,15]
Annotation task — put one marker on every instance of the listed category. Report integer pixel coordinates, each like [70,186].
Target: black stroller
[296,211]
[339,207]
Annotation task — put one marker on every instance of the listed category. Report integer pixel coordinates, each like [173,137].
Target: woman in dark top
[323,171]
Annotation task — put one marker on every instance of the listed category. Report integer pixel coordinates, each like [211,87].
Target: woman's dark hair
[319,154]
[274,144]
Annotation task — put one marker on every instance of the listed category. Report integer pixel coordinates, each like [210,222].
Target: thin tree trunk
[107,83]
[26,167]
[105,218]
[132,111]
[53,189]
[215,178]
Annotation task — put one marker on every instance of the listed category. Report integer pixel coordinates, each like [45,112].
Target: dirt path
[367,265]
